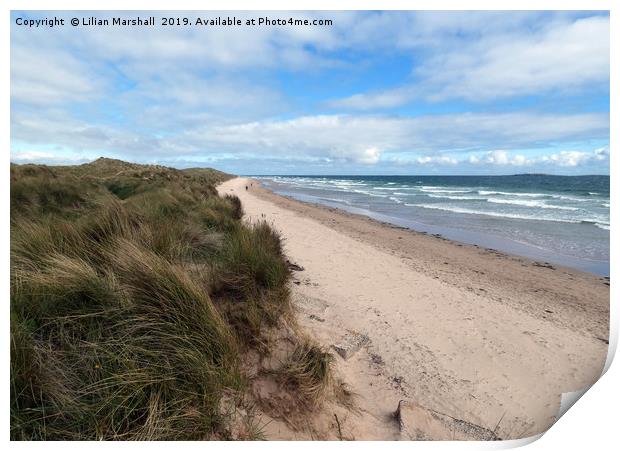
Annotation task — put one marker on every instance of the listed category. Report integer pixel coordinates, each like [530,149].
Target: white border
[591,424]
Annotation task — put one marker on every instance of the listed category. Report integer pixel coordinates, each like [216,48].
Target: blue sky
[375,93]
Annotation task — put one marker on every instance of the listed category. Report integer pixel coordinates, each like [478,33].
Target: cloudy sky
[375,93]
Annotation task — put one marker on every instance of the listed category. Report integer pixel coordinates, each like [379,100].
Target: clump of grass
[308,372]
[39,189]
[133,291]
[235,202]
[251,260]
[250,279]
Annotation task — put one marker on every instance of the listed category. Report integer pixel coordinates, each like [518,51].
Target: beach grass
[307,370]
[135,290]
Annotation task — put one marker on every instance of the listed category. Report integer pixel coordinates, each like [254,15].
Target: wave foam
[439,196]
[436,189]
[368,193]
[529,203]
[504,193]
[468,211]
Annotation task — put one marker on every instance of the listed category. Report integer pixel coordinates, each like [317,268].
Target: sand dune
[466,331]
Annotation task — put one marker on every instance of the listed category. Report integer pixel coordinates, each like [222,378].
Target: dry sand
[470,332]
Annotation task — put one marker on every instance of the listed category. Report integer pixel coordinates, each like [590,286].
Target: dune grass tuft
[307,371]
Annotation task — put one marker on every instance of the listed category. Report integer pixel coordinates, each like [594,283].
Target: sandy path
[437,336]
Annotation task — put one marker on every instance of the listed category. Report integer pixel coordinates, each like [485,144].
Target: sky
[374,93]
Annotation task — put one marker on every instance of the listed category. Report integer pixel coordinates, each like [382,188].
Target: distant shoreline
[455,233]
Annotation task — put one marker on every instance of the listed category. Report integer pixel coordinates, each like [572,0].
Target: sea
[555,219]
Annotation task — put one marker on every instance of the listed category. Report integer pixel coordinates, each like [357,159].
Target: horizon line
[422,175]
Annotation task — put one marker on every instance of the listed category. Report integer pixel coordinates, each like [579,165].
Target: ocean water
[558,219]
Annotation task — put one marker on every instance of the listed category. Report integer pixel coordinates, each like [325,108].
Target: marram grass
[134,290]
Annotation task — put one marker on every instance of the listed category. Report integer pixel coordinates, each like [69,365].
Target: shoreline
[463,236]
[464,330]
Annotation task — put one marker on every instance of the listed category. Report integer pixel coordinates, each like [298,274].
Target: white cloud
[519,160]
[37,156]
[497,157]
[502,158]
[601,153]
[562,159]
[505,161]
[43,77]
[379,100]
[31,155]
[189,69]
[370,156]
[569,158]
[564,55]
[340,137]
[474,54]
[438,160]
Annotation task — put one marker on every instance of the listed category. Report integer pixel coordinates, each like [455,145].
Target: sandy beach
[478,335]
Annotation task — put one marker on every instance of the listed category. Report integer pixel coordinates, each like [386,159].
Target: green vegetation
[135,291]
